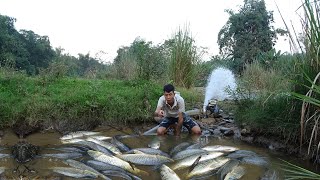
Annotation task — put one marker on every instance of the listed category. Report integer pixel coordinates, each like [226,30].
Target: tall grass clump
[264,102]
[307,89]
[183,59]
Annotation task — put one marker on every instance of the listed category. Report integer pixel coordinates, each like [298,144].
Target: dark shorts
[187,122]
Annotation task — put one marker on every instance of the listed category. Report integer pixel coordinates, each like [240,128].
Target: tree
[247,33]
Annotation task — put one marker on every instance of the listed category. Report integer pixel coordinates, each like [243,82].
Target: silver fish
[149,151]
[220,148]
[155,143]
[167,173]
[236,173]
[82,166]
[78,134]
[73,155]
[115,161]
[188,152]
[119,144]
[188,161]
[101,138]
[89,144]
[145,159]
[223,171]
[179,148]
[113,148]
[73,172]
[208,166]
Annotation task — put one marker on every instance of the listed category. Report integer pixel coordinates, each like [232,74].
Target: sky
[95,26]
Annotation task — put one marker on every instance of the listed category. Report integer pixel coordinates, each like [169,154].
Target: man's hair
[168,88]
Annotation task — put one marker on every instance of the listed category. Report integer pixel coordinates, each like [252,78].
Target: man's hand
[161,113]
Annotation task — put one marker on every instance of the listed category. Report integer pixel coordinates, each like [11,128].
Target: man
[171,109]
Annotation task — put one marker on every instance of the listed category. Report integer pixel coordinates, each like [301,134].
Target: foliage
[264,102]
[247,33]
[293,172]
[183,60]
[64,99]
[141,60]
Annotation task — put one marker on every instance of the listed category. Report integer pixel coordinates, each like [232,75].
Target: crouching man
[171,108]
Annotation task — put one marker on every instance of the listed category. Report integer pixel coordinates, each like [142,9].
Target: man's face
[169,96]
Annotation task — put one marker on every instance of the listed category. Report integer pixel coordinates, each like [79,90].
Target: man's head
[168,92]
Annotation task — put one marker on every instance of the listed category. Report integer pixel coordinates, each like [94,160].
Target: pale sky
[90,26]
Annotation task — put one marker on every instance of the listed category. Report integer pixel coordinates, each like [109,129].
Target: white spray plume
[219,80]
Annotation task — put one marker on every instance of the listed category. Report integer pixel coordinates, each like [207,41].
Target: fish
[67,149]
[120,145]
[179,148]
[155,143]
[73,172]
[188,161]
[2,169]
[188,152]
[101,138]
[145,159]
[5,155]
[113,148]
[72,155]
[89,144]
[220,148]
[223,171]
[241,153]
[115,161]
[208,166]
[236,173]
[101,166]
[168,174]
[116,174]
[149,151]
[78,134]
[82,166]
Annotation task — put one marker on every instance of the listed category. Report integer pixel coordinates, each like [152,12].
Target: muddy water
[42,166]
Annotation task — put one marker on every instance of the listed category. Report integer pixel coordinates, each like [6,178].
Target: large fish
[72,155]
[207,167]
[145,159]
[188,161]
[168,174]
[223,171]
[148,151]
[89,144]
[155,143]
[120,145]
[82,166]
[115,161]
[236,173]
[104,167]
[78,134]
[73,172]
[111,147]
[220,148]
[188,152]
[179,148]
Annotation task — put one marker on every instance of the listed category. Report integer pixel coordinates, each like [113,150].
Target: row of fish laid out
[108,157]
[90,155]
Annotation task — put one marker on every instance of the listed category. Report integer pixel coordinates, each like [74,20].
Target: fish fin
[194,164]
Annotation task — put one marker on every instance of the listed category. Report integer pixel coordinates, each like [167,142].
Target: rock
[208,120]
[217,132]
[228,132]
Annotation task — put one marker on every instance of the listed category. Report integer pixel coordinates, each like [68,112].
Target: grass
[46,100]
